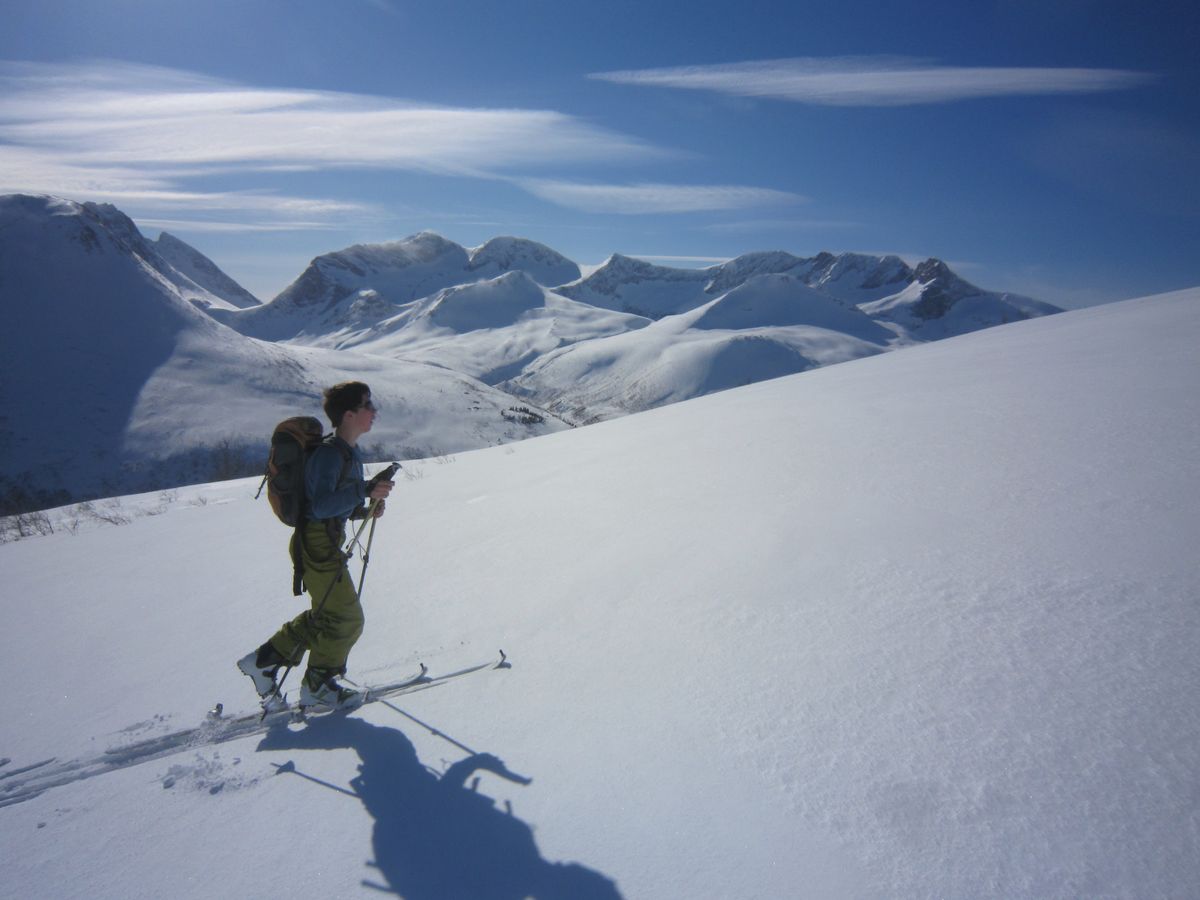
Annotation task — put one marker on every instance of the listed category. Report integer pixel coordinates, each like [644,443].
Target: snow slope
[919,625]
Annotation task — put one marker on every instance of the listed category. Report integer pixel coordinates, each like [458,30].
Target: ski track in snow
[214,730]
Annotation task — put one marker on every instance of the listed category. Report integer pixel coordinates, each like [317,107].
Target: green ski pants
[329,634]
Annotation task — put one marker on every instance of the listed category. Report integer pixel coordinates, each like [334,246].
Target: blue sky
[1048,147]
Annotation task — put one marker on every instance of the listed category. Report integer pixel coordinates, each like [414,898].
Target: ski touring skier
[335,491]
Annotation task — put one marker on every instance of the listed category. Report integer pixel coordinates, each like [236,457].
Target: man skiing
[335,490]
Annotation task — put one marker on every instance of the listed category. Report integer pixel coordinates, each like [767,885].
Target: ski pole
[362,576]
[386,475]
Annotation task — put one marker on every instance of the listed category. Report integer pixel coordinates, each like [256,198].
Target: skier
[335,490]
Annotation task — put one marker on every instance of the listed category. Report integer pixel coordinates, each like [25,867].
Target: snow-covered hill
[919,625]
[114,380]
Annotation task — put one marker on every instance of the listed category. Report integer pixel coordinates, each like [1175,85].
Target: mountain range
[160,369]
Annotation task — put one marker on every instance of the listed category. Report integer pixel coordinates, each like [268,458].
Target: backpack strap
[297,550]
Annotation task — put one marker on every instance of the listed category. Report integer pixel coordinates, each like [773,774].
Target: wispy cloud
[638,199]
[217,226]
[159,192]
[875,81]
[118,114]
[120,131]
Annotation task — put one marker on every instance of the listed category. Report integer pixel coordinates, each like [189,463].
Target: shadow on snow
[435,838]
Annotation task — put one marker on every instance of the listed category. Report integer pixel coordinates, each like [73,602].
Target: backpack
[292,443]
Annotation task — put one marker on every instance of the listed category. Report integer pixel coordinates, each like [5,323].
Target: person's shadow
[435,838]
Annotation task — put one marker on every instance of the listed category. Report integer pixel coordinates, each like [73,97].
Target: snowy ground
[920,625]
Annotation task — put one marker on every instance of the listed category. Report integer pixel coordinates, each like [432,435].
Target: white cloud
[26,170]
[112,114]
[875,81]
[118,131]
[214,226]
[654,198]
[142,136]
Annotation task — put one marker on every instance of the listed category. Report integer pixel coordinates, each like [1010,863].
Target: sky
[1048,149]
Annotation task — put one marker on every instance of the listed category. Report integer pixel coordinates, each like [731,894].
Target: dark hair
[343,398]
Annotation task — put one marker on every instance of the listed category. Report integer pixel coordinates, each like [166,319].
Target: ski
[216,728]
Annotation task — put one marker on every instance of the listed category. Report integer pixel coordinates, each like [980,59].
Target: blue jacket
[329,495]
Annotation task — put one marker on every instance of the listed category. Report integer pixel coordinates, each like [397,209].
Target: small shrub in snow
[23,525]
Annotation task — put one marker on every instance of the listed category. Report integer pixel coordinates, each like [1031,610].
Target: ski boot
[262,667]
[321,691]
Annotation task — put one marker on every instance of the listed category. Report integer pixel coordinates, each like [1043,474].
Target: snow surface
[925,624]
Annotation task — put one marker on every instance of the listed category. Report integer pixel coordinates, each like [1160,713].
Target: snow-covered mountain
[920,625]
[193,276]
[362,285]
[766,327]
[114,379]
[937,304]
[491,330]
[203,271]
[572,348]
[640,288]
[927,302]
[508,254]
[355,287]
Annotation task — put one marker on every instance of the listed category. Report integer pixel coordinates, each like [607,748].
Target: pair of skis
[276,709]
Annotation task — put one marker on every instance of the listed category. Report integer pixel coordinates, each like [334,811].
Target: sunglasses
[368,406]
